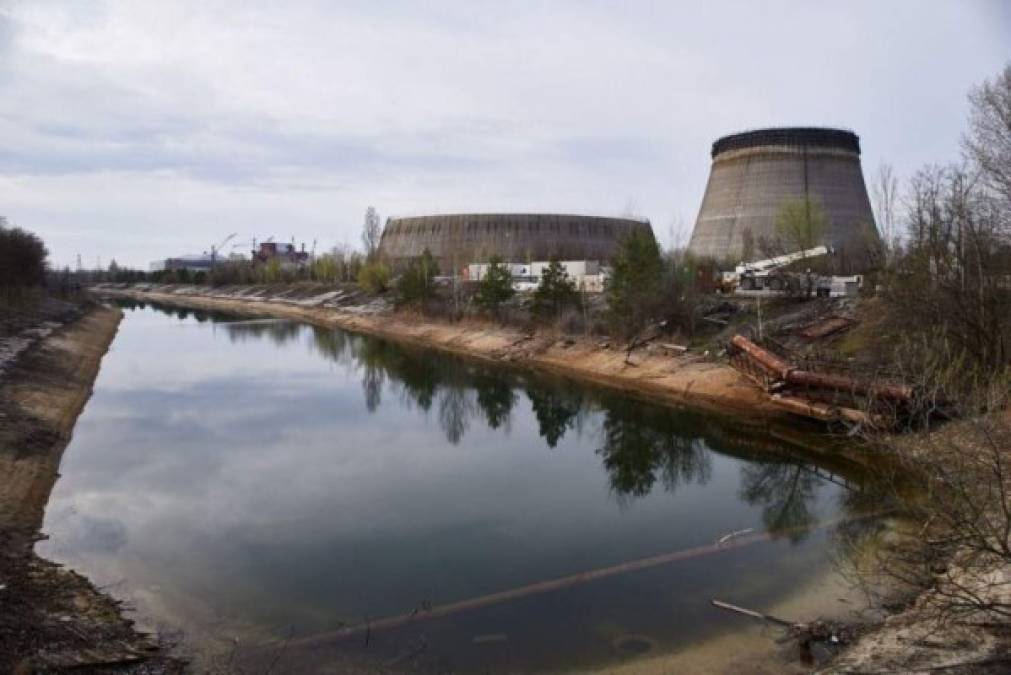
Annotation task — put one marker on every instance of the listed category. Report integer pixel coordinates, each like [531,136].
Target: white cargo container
[587,275]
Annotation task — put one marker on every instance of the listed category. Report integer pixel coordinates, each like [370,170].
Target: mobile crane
[769,277]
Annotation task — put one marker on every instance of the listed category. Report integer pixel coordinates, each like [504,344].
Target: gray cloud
[133,130]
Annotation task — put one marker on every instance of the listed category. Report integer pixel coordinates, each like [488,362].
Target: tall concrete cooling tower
[754,173]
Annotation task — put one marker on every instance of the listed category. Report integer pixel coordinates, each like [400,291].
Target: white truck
[769,277]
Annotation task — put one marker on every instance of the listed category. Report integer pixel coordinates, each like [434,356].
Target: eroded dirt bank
[51,618]
[690,380]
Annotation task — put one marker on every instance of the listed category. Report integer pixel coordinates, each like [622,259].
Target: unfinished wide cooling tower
[459,239]
[754,173]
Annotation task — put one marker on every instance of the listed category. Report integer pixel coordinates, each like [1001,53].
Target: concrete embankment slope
[685,380]
[41,397]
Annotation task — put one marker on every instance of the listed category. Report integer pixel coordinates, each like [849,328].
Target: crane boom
[224,241]
[770,264]
[216,248]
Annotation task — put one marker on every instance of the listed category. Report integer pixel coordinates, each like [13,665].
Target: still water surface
[249,477]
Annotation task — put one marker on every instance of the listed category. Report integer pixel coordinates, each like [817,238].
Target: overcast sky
[136,130]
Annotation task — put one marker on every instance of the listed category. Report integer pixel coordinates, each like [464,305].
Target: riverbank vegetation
[946,301]
[22,267]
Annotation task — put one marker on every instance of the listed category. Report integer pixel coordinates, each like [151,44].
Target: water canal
[255,482]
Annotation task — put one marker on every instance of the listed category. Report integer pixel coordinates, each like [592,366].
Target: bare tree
[988,143]
[371,232]
[800,223]
[951,282]
[631,210]
[677,234]
[885,192]
[954,485]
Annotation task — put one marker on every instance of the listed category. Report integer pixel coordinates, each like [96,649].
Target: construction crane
[215,249]
[769,277]
[246,244]
[761,274]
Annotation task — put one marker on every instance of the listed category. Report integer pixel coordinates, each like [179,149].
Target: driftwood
[736,533]
[755,615]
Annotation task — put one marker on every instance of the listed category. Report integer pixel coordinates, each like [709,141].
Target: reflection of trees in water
[182,313]
[495,398]
[372,385]
[456,407]
[334,345]
[129,303]
[424,380]
[786,493]
[278,332]
[642,444]
[556,408]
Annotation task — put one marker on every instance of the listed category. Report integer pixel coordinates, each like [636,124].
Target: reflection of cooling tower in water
[755,173]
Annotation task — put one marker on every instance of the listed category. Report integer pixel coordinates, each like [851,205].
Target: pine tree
[555,292]
[495,288]
[635,289]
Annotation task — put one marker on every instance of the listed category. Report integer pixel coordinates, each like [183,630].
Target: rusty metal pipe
[826,413]
[806,378]
[763,357]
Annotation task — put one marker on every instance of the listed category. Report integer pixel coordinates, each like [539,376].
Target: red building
[286,254]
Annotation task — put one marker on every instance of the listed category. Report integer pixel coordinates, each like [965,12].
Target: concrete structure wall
[459,239]
[755,172]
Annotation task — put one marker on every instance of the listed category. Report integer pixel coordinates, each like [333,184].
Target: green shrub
[495,288]
[635,289]
[417,284]
[374,277]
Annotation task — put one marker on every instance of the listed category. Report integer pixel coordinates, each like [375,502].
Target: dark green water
[256,477]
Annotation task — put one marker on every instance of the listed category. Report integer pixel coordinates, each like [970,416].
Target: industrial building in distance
[458,240]
[756,172]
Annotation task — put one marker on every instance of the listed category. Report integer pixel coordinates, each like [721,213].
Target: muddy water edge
[51,617]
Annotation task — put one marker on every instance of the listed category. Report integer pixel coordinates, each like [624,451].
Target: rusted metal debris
[806,378]
[824,411]
[829,326]
[773,364]
[789,383]
[753,614]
